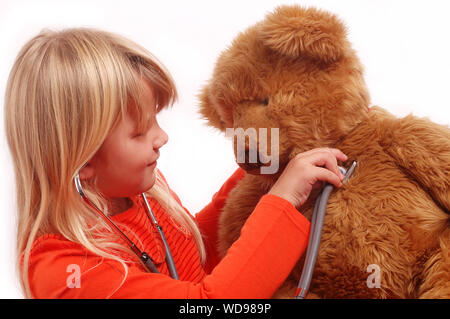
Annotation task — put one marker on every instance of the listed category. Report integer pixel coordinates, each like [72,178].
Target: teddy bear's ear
[295,31]
[208,110]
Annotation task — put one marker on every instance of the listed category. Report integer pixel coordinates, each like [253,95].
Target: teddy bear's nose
[247,165]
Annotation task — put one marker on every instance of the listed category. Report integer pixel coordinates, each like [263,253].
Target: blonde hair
[66,91]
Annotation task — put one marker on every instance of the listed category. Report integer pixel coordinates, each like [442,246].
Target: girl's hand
[306,171]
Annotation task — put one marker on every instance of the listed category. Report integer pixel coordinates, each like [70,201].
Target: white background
[404,46]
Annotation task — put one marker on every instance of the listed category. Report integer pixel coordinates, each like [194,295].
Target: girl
[83,102]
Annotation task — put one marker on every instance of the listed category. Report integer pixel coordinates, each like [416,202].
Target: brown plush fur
[296,71]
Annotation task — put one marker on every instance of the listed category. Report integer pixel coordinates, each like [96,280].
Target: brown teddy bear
[296,71]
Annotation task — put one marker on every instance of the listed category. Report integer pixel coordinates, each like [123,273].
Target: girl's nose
[161,139]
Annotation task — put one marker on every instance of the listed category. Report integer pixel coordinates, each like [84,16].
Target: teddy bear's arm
[422,149]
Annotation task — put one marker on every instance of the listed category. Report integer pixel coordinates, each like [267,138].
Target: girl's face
[125,164]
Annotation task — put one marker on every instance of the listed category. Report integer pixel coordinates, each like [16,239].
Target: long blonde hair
[66,91]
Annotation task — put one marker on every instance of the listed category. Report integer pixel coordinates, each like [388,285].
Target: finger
[317,185]
[338,154]
[311,152]
[325,175]
[326,159]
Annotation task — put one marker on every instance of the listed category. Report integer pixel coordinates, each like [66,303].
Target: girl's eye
[265,101]
[138,134]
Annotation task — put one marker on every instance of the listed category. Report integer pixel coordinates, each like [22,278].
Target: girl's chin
[150,182]
[152,166]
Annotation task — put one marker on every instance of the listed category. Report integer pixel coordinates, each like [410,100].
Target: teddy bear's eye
[266,101]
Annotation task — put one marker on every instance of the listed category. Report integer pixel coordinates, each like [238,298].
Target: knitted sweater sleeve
[272,240]
[208,218]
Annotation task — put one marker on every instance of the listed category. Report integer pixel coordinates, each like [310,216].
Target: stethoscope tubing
[169,258]
[143,256]
[316,233]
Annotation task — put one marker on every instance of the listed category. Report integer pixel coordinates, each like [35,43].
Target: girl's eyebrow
[148,122]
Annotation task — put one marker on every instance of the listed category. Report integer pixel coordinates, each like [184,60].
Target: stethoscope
[316,232]
[142,255]
[311,253]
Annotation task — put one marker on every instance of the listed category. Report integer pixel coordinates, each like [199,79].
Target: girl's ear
[86,172]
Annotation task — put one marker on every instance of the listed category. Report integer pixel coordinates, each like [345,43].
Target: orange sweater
[272,240]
